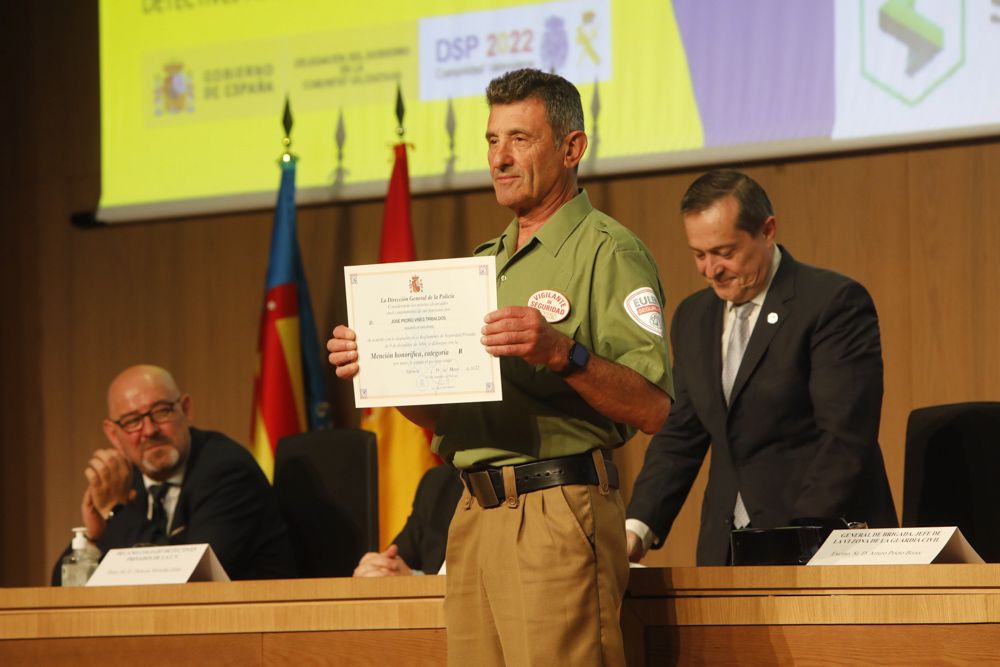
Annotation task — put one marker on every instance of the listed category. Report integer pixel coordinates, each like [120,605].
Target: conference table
[845,615]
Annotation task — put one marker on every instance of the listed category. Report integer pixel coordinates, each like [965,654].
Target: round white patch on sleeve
[645,310]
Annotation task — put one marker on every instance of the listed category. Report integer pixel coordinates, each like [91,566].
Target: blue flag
[289,390]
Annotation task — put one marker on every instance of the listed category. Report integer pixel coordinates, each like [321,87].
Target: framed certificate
[418,327]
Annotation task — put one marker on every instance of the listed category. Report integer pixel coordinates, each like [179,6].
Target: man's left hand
[634,547]
[385,564]
[521,331]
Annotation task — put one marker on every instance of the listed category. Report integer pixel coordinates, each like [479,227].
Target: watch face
[578,355]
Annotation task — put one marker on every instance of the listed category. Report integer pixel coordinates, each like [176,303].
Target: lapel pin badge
[772,318]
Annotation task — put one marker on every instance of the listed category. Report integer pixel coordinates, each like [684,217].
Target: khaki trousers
[539,583]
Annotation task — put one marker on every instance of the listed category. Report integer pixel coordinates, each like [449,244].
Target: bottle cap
[80,540]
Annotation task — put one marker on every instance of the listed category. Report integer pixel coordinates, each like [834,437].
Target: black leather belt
[486,484]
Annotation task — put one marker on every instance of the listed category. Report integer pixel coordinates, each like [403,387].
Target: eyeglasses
[160,413]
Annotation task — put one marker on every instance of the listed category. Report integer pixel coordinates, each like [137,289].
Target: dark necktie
[158,514]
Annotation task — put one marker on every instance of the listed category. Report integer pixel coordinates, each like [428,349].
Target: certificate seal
[553,305]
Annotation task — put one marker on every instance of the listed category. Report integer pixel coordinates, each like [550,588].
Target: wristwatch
[114,510]
[578,357]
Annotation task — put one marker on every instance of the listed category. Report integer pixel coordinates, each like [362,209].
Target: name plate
[896,546]
[177,564]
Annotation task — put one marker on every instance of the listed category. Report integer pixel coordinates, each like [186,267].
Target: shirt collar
[556,229]
[174,480]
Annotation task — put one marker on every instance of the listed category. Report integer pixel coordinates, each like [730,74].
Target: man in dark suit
[777,366]
[165,482]
[420,546]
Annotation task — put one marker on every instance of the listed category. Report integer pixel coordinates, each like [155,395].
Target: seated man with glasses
[166,482]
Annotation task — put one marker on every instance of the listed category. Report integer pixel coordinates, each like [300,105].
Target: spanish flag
[289,390]
[404,452]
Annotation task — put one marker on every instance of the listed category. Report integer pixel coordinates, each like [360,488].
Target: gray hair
[563,108]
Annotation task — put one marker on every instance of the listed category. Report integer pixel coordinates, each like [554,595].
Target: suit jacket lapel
[179,523]
[711,335]
[141,492]
[776,306]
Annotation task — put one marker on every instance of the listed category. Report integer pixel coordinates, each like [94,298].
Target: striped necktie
[157,512]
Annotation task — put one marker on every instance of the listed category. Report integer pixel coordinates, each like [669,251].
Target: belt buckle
[482,488]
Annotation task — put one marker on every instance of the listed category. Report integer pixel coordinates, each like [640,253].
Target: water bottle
[81,563]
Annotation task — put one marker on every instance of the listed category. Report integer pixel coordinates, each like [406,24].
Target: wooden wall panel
[915,225]
[20,388]
[235,650]
[889,645]
[955,243]
[357,648]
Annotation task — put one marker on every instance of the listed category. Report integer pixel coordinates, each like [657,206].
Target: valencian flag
[404,452]
[289,391]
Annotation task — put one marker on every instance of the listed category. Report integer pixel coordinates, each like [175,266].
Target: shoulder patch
[645,310]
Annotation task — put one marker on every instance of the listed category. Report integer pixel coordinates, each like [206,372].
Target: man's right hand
[109,483]
[344,355]
[343,352]
[386,564]
[634,547]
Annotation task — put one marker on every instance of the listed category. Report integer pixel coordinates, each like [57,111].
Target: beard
[160,457]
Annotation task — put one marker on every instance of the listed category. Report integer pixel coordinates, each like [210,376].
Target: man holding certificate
[536,556]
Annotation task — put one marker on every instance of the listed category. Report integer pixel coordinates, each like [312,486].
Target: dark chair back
[327,487]
[951,470]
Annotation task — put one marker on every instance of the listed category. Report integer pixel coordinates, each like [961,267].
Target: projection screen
[192,91]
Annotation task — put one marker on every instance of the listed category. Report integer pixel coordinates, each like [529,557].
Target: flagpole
[400,112]
[286,141]
[289,389]
[404,452]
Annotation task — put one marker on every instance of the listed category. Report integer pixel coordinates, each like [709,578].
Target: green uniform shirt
[605,272]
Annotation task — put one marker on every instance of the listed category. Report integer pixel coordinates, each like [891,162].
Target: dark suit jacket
[225,500]
[800,438]
[423,540]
